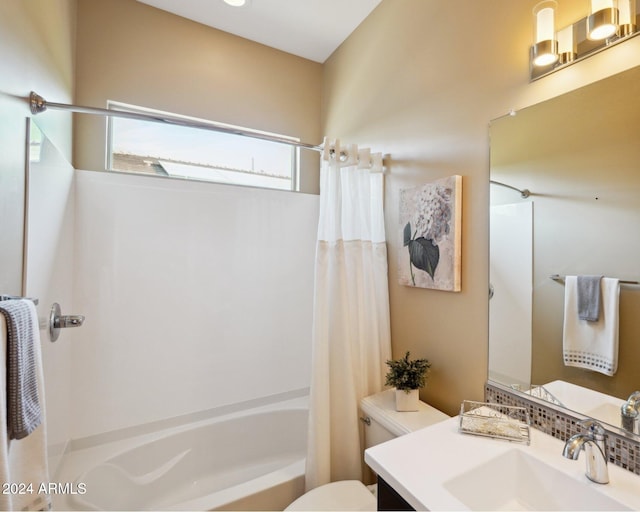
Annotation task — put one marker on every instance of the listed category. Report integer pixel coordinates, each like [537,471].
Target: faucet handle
[593,428]
[630,413]
[634,400]
[631,408]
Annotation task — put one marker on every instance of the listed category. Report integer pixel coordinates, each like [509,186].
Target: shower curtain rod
[524,193]
[38,104]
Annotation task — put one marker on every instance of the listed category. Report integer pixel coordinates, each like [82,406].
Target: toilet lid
[343,495]
[382,408]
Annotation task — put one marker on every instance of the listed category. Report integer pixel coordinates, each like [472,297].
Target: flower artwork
[430,217]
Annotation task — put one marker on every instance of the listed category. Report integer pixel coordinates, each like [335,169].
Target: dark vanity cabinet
[389,499]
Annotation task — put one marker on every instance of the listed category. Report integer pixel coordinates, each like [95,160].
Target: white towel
[23,461]
[592,345]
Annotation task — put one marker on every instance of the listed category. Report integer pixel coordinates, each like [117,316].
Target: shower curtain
[351,328]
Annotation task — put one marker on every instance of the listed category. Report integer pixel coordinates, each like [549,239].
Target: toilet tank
[383,422]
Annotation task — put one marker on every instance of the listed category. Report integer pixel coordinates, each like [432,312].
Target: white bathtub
[249,460]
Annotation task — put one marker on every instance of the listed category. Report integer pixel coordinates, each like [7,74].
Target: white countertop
[418,464]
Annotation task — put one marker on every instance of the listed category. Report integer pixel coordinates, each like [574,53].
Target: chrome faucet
[593,441]
[630,413]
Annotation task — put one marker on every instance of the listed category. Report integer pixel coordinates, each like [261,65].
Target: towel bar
[558,277]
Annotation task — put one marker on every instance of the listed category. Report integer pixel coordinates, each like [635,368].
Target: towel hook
[58,321]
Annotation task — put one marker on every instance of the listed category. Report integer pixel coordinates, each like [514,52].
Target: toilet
[382,423]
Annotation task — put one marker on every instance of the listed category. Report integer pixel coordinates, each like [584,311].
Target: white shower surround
[196,296]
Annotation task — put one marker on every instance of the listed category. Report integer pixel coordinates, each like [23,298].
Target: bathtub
[248,460]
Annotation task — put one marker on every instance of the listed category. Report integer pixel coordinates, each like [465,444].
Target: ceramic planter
[407,400]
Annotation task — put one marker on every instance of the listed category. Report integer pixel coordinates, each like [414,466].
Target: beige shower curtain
[351,333]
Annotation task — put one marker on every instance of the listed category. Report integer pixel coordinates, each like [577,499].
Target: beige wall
[133,53]
[420,80]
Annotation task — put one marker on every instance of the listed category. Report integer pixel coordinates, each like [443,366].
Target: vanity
[438,468]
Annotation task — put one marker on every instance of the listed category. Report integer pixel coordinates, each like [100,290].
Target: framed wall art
[430,224]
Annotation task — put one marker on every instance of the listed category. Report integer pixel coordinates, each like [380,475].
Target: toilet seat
[342,495]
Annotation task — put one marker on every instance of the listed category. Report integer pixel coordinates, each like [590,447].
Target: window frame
[127,107]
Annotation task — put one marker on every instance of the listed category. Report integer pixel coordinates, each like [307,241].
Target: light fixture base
[567,57]
[544,53]
[627,29]
[602,24]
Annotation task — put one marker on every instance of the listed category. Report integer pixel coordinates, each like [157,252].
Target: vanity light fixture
[544,51]
[602,23]
[608,23]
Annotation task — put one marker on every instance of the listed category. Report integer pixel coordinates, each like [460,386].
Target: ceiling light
[236,3]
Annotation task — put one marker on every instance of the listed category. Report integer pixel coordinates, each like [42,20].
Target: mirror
[12,213]
[579,156]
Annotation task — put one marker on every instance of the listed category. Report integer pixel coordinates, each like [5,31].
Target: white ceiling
[312,29]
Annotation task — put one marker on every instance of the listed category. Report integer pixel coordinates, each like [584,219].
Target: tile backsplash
[623,451]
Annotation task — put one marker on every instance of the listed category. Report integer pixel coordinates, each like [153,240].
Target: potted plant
[407,376]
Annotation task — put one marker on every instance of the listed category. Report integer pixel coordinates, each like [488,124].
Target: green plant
[407,374]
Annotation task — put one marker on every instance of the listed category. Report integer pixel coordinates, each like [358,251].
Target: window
[193,153]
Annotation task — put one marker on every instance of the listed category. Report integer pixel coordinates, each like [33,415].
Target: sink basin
[600,406]
[515,480]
